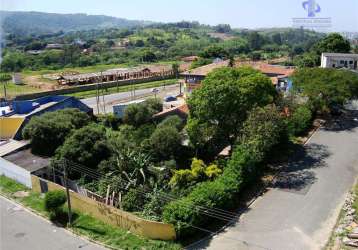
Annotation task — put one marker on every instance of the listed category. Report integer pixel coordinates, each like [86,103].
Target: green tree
[220,106]
[48,131]
[165,142]
[256,41]
[137,114]
[87,146]
[214,51]
[155,105]
[333,43]
[200,62]
[326,87]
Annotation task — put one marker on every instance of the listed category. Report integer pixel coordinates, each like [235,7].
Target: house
[278,74]
[339,60]
[16,114]
[54,46]
[182,111]
[193,78]
[190,58]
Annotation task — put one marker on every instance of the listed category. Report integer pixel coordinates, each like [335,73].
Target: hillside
[19,22]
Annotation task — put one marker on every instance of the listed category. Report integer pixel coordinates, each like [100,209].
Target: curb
[67,230]
[250,203]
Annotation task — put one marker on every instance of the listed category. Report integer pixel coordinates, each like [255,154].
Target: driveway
[122,97]
[300,211]
[22,230]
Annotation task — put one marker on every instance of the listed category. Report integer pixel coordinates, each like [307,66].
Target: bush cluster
[263,129]
[54,200]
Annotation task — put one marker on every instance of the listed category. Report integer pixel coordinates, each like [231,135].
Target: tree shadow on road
[297,174]
[347,121]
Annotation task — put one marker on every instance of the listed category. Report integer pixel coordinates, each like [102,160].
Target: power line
[229,216]
[95,175]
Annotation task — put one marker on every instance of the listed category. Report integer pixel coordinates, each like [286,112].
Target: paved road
[301,210]
[22,230]
[116,98]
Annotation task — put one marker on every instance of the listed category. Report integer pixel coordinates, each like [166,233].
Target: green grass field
[13,90]
[83,224]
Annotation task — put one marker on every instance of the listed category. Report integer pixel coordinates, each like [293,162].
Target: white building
[118,110]
[339,60]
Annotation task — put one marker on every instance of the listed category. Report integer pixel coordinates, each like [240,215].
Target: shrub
[197,173]
[262,130]
[54,200]
[110,121]
[299,121]
[173,121]
[155,105]
[134,200]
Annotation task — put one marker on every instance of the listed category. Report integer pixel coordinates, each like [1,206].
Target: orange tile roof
[206,69]
[275,69]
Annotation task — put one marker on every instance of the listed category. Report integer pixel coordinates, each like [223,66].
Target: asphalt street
[22,230]
[112,99]
[301,209]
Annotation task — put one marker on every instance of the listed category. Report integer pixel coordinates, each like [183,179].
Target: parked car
[170,98]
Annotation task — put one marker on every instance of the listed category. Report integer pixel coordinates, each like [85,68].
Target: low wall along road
[110,215]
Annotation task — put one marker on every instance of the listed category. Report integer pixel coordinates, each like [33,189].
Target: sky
[237,13]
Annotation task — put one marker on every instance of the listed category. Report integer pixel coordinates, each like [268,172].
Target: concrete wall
[9,126]
[15,172]
[93,86]
[111,215]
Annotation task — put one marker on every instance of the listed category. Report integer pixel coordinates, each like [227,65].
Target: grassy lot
[125,88]
[84,224]
[13,90]
[34,79]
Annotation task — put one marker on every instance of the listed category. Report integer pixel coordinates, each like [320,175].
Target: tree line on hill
[156,42]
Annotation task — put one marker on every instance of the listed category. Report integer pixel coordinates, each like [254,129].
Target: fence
[110,215]
[15,172]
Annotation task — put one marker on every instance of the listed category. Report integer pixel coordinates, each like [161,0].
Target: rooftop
[340,55]
[27,160]
[206,69]
[265,68]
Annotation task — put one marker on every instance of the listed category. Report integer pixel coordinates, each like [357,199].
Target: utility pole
[65,175]
[97,97]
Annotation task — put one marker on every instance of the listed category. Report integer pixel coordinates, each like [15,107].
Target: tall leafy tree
[221,105]
[87,146]
[326,87]
[48,131]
